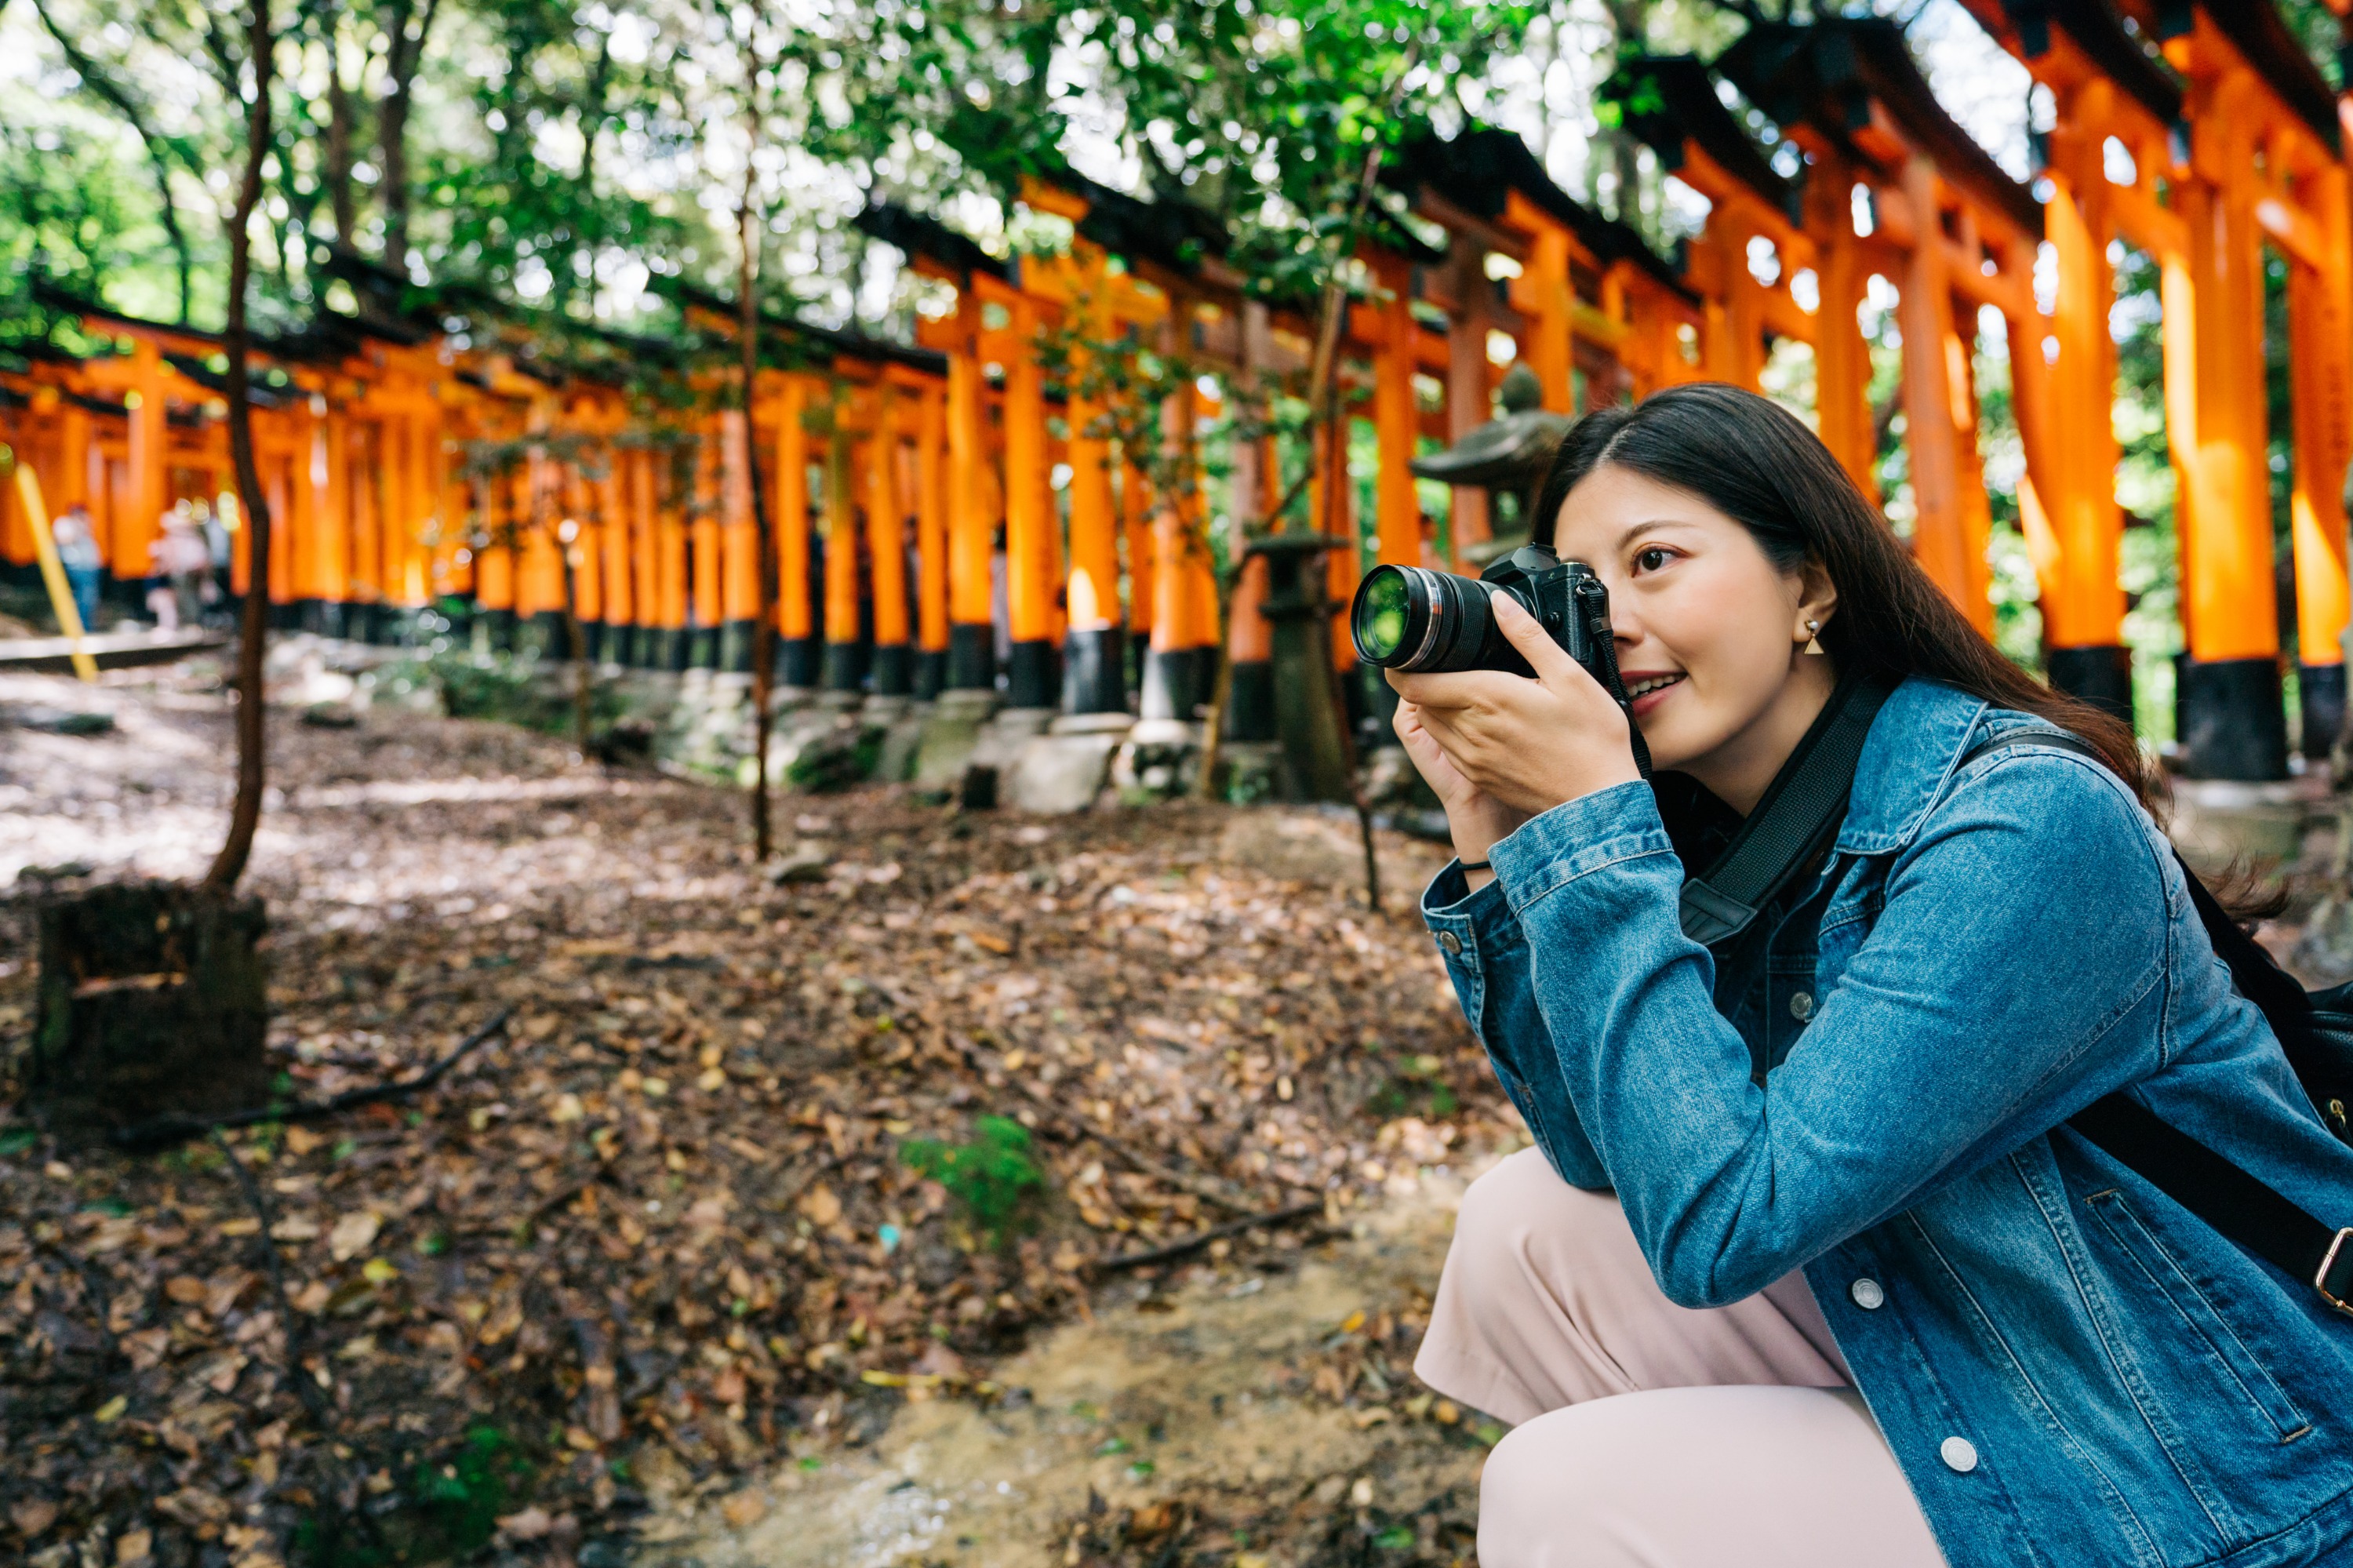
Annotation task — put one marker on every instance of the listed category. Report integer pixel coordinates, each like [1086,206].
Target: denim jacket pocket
[2207,1344]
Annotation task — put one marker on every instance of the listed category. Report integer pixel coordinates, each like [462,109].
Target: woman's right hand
[1476,820]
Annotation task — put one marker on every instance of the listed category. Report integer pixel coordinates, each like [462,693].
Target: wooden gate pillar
[930,542]
[972,632]
[335,561]
[886,549]
[845,650]
[739,542]
[2083,603]
[798,643]
[2321,366]
[2230,721]
[619,638]
[1170,690]
[1469,392]
[142,520]
[305,529]
[1940,413]
[1028,518]
[1842,357]
[1093,651]
[1397,419]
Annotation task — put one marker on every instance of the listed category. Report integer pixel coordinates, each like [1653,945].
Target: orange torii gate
[1580,296]
[2263,165]
[1950,229]
[126,436]
[1804,232]
[1175,287]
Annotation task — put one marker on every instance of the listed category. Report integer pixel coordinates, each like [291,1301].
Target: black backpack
[1803,807]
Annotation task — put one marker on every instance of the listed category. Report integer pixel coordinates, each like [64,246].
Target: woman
[1805,1269]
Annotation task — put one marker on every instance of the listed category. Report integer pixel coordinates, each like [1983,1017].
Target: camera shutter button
[1451,943]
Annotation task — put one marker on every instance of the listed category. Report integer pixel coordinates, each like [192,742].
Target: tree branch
[96,78]
[175,1129]
[1185,1246]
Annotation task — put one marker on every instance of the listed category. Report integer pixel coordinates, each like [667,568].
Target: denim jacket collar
[1915,741]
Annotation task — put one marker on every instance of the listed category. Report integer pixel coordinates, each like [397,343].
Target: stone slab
[945,744]
[902,740]
[2218,823]
[1055,775]
[1092,724]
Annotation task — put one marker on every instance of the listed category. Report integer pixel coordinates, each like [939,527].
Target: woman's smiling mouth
[1645,691]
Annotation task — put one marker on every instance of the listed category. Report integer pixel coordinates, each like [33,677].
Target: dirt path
[1166,1430]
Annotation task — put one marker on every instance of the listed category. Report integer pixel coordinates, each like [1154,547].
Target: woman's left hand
[1530,744]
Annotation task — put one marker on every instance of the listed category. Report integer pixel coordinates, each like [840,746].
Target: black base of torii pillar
[2229,717]
[2101,676]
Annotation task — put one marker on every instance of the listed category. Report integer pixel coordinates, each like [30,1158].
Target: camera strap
[1806,800]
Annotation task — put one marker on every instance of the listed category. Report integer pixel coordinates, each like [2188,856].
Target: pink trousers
[1647,1434]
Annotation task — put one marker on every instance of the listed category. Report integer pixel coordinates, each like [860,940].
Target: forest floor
[791,1218]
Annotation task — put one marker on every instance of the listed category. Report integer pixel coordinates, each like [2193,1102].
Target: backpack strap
[2238,1205]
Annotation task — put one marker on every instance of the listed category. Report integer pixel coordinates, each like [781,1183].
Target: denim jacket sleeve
[2021,922]
[1487,958]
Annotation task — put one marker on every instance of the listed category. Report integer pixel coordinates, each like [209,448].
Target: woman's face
[1710,632]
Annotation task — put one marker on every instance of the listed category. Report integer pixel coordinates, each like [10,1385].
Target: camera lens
[1384,607]
[1416,619]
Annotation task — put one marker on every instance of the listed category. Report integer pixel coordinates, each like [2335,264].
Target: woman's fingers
[1526,633]
[1462,743]
[1460,690]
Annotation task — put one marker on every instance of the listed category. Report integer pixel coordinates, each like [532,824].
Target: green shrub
[827,767]
[992,1179]
[450,1512]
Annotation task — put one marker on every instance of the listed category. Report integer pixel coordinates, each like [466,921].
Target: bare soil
[664,1272]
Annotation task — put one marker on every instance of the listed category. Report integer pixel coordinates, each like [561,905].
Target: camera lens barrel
[1416,619]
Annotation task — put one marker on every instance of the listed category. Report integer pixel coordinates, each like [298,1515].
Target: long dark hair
[1758,463]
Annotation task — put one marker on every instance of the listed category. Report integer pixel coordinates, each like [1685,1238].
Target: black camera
[1421,621]
[1426,622]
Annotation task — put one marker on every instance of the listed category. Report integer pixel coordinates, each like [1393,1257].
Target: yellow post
[53,571]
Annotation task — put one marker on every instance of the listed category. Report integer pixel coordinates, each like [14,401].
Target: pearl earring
[1814,637]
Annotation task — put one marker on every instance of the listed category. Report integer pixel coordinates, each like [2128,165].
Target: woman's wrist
[1475,839]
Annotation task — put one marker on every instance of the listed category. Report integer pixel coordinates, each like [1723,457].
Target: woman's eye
[1652,559]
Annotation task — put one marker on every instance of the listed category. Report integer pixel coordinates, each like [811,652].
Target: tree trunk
[154,1002]
[253,505]
[401,64]
[337,158]
[764,628]
[1630,29]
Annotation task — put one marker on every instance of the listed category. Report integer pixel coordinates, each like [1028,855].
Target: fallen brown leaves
[664,1222]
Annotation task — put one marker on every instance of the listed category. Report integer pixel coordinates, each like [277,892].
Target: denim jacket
[2070,1369]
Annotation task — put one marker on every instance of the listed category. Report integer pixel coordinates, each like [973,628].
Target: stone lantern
[1507,457]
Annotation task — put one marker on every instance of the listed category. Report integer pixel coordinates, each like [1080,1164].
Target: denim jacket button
[1867,1294]
[1959,1454]
[1801,1005]
[1451,942]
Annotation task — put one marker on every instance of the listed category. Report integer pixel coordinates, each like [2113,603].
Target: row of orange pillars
[2200,134]
[956,515]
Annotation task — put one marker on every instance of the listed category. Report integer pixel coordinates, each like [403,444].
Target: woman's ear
[1817,599]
